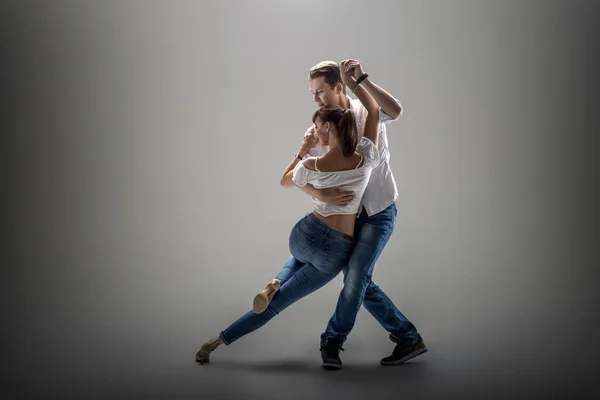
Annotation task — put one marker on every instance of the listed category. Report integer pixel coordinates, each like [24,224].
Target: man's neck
[345,102]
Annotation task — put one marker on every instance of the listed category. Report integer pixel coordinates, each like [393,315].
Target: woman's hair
[345,123]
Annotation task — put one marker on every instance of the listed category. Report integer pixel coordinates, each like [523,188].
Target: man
[374,226]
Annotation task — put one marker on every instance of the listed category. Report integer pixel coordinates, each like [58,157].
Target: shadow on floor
[351,371]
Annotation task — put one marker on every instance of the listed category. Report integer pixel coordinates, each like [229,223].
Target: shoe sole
[407,357]
[202,360]
[331,367]
[260,303]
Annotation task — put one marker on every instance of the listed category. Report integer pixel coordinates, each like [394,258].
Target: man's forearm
[386,101]
[286,178]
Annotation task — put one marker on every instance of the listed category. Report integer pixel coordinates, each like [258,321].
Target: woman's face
[322,132]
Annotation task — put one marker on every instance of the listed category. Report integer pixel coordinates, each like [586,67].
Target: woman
[322,240]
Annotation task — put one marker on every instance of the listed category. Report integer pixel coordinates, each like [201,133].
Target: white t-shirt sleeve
[370,153]
[386,119]
[300,174]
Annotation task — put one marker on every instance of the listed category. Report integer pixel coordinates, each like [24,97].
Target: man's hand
[308,142]
[310,131]
[335,197]
[352,67]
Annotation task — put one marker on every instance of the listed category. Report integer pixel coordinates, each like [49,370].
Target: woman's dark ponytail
[345,123]
[348,133]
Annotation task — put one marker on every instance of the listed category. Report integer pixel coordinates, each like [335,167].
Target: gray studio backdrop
[150,136]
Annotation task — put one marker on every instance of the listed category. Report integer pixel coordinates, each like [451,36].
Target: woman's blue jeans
[319,254]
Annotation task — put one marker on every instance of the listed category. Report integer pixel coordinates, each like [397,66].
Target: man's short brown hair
[330,71]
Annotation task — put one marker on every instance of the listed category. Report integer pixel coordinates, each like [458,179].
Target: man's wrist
[363,83]
[361,78]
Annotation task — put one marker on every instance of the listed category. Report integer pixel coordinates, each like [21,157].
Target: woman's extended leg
[306,280]
[323,250]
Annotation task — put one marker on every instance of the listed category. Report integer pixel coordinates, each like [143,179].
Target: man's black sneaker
[330,353]
[404,351]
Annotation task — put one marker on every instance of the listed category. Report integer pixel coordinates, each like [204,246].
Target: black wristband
[297,155]
[362,78]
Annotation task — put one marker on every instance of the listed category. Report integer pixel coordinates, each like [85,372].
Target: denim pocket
[300,240]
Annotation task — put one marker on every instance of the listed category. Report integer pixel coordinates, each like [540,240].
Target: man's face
[323,94]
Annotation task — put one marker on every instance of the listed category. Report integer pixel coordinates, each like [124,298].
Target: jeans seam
[390,309]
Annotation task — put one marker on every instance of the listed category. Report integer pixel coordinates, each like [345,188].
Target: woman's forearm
[367,100]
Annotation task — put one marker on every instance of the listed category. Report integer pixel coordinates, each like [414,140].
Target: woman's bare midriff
[343,223]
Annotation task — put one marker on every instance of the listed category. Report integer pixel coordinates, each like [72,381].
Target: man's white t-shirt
[381,190]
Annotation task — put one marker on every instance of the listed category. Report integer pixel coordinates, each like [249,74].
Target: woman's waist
[342,223]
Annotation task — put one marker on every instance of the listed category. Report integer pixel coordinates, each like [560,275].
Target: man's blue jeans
[371,234]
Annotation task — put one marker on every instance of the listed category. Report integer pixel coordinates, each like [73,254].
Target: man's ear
[338,88]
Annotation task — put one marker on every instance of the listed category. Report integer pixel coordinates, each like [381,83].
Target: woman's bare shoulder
[309,163]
